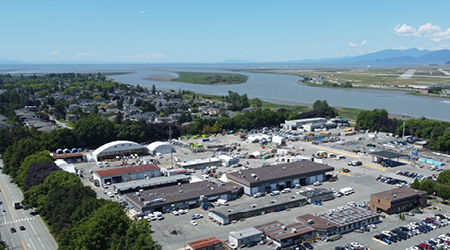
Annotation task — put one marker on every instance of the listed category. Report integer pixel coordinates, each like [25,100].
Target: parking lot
[175,231]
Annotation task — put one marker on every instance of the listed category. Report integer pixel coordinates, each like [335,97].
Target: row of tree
[438,188]
[76,218]
[437,132]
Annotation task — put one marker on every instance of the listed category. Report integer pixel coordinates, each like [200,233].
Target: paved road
[35,236]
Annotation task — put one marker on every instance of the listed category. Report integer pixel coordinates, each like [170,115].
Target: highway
[36,235]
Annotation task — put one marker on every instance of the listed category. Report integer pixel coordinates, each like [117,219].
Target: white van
[275,192]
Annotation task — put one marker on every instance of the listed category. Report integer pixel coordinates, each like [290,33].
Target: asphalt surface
[361,178]
[36,236]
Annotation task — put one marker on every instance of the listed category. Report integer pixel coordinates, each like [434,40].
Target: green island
[210,78]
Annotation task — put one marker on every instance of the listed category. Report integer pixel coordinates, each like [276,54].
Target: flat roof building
[284,235]
[189,195]
[246,236]
[278,177]
[341,220]
[200,163]
[206,244]
[132,173]
[256,207]
[397,200]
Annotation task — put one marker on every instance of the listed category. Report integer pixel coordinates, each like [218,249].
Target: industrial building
[278,177]
[299,123]
[115,149]
[335,222]
[284,235]
[184,196]
[206,244]
[200,163]
[246,236]
[397,200]
[151,183]
[339,221]
[228,160]
[225,215]
[132,173]
[160,147]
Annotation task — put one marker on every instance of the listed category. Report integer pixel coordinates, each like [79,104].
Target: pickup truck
[354,163]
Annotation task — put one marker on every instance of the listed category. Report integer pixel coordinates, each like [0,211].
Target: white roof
[154,145]
[116,146]
[242,234]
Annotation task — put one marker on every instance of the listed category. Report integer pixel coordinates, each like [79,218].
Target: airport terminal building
[279,177]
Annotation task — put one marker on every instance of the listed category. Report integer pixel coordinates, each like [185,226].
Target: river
[276,88]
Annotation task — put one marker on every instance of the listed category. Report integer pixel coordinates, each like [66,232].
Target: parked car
[193,222]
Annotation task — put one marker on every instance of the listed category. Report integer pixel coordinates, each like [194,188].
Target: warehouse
[246,236]
[256,207]
[174,197]
[339,221]
[278,177]
[296,124]
[206,244]
[115,149]
[397,200]
[117,175]
[284,235]
[200,163]
[228,160]
[160,147]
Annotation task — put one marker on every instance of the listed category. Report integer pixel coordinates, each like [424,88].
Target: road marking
[16,221]
[24,247]
[342,173]
[379,168]
[9,204]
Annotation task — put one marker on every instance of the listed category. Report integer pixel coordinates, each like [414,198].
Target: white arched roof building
[117,148]
[160,147]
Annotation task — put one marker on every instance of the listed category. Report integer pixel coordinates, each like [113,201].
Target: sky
[210,31]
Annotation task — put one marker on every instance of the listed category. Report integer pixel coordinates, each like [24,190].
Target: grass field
[365,77]
[209,78]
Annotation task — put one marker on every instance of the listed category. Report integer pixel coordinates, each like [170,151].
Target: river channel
[277,88]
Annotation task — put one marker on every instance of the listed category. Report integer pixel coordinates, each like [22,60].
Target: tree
[38,172]
[24,172]
[98,231]
[444,177]
[153,89]
[137,237]
[15,154]
[62,202]
[36,196]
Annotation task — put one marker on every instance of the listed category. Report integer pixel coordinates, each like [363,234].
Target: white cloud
[352,44]
[442,35]
[364,43]
[90,55]
[404,30]
[400,48]
[246,52]
[54,53]
[153,55]
[427,30]
[142,12]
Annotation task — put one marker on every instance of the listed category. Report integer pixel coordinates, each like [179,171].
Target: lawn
[210,78]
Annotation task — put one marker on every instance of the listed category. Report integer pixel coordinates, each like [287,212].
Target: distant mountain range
[384,57]
[389,57]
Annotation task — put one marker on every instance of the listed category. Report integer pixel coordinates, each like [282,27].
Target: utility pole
[404,119]
[170,143]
